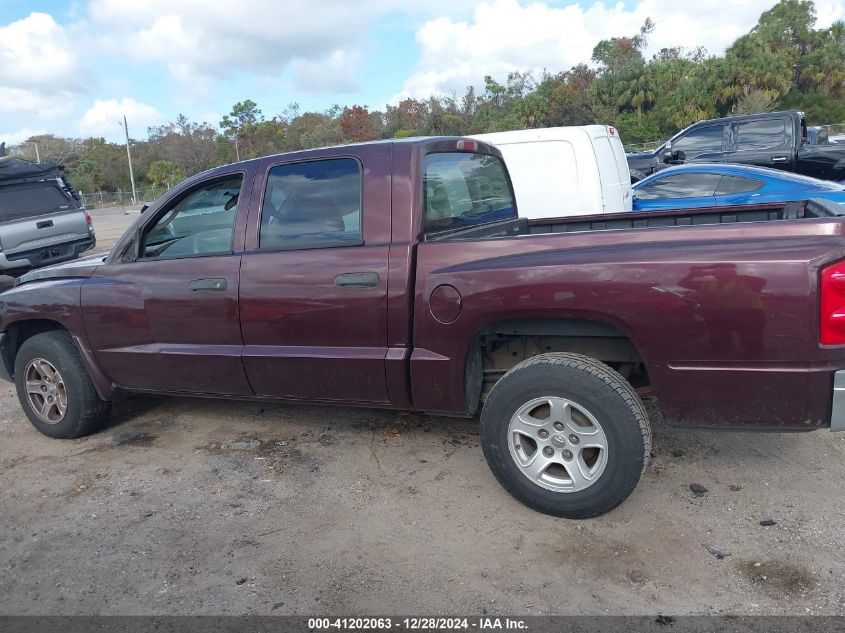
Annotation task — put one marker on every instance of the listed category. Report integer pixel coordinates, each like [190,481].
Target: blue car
[705,185]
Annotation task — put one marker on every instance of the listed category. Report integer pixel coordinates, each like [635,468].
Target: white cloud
[504,36]
[104,118]
[35,52]
[40,73]
[331,75]
[201,40]
[19,136]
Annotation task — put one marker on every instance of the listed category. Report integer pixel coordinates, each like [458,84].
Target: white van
[560,171]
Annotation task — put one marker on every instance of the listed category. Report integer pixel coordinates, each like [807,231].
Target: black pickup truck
[769,139]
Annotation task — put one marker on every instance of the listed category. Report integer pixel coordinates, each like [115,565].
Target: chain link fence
[109,199]
[836,130]
[642,147]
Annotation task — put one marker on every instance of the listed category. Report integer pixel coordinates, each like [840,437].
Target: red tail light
[467,146]
[833,304]
[88,218]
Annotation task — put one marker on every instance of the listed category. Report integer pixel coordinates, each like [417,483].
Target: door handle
[208,285]
[357,280]
[779,159]
[46,224]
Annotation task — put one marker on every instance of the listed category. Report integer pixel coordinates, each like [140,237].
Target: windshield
[461,189]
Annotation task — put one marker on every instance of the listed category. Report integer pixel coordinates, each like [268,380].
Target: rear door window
[461,189]
[680,186]
[762,134]
[314,204]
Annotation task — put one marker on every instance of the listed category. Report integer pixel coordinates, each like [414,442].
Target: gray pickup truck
[42,221]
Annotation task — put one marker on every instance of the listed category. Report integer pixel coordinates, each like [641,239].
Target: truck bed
[635,220]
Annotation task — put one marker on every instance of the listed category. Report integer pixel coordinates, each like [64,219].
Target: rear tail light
[467,146]
[88,219]
[833,304]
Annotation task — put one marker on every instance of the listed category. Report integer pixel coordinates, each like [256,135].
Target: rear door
[313,298]
[168,320]
[767,142]
[614,175]
[678,191]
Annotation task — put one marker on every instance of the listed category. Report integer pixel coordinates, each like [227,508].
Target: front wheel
[566,435]
[54,388]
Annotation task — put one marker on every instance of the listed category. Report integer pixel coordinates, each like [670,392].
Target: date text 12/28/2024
[416,623]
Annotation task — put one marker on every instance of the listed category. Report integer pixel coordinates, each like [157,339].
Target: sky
[76,67]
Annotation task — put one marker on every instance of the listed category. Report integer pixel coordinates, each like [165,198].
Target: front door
[165,318]
[313,295]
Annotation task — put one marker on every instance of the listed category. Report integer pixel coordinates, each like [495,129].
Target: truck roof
[441,143]
[746,117]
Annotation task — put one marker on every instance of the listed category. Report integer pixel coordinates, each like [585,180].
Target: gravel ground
[187,506]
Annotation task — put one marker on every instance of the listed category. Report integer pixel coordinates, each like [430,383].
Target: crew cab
[398,274]
[769,139]
[41,220]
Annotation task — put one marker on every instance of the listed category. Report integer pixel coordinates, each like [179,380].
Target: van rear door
[614,176]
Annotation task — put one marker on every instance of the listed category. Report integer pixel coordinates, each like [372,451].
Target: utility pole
[129,157]
[37,155]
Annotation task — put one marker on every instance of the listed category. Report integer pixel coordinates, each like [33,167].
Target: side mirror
[679,156]
[666,156]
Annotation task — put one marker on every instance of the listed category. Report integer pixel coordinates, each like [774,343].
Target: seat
[308,217]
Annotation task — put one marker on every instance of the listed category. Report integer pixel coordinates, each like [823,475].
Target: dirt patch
[778,575]
[85,484]
[142,438]
[277,456]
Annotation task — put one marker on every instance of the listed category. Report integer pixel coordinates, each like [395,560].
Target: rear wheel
[566,435]
[54,388]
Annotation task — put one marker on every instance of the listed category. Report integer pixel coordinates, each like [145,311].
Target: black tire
[85,412]
[597,389]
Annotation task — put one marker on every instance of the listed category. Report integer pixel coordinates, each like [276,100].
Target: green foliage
[784,62]
[163,173]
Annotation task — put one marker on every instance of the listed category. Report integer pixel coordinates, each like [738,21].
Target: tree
[240,126]
[188,144]
[163,173]
[356,125]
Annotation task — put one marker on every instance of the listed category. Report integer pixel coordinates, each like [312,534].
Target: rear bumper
[45,256]
[837,410]
[5,370]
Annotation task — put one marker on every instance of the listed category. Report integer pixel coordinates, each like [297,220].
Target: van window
[461,189]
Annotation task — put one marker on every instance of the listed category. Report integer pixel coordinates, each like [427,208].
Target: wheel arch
[498,346]
[18,332]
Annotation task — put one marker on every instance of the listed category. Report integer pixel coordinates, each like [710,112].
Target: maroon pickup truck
[398,274]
